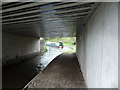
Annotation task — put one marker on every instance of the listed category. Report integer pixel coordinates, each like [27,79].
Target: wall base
[19,59]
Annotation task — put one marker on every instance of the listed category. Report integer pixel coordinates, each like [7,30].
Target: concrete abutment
[97,47]
[17,47]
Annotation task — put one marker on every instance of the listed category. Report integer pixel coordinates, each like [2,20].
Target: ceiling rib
[44,9]
[70,15]
[37,6]
[23,6]
[32,5]
[46,17]
[49,21]
[65,11]
[51,13]
[13,4]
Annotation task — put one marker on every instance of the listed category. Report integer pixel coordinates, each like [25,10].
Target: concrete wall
[119,44]
[0,56]
[0,46]
[14,46]
[97,47]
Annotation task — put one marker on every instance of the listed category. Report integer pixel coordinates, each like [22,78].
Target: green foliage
[68,41]
[63,39]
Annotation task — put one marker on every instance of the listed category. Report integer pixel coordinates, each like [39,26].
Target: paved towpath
[50,55]
[62,72]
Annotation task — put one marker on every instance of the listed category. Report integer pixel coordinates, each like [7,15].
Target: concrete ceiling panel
[49,19]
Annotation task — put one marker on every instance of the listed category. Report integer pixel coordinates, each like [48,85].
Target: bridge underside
[95,26]
[45,19]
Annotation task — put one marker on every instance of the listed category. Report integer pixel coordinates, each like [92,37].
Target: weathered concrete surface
[118,45]
[0,55]
[97,47]
[62,72]
[14,46]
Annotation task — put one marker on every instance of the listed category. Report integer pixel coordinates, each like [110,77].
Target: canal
[18,75]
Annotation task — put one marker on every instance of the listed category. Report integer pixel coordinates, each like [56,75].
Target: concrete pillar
[97,47]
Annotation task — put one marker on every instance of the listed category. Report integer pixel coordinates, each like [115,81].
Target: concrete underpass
[95,26]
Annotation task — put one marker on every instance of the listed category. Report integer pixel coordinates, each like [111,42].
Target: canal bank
[19,74]
[19,71]
[62,72]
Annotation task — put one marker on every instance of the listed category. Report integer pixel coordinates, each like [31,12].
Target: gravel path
[62,72]
[50,55]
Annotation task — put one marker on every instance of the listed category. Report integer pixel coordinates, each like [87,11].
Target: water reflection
[18,75]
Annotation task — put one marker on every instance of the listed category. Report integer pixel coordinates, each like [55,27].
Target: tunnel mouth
[94,24]
[55,47]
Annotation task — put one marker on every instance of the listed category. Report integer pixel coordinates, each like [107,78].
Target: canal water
[18,75]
